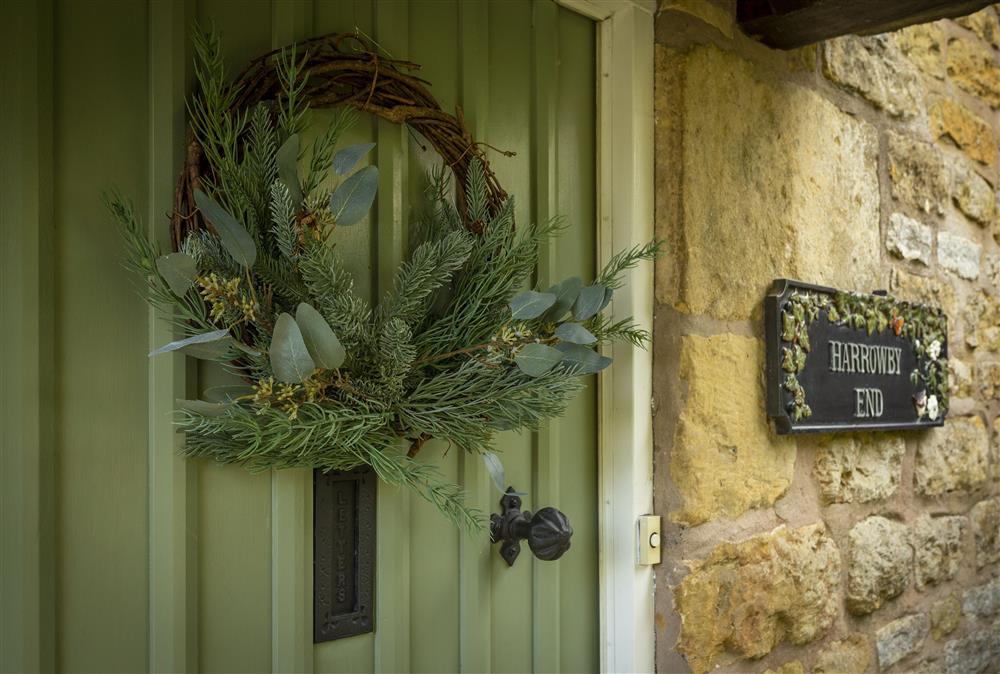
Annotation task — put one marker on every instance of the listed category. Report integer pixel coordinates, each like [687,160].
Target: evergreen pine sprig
[453,351]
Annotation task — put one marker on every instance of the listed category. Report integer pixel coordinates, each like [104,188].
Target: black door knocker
[548,531]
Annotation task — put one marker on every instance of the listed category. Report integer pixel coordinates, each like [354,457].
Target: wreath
[453,351]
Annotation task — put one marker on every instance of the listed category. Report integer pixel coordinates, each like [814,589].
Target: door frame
[625,418]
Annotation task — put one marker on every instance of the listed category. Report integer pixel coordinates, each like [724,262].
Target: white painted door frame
[625,212]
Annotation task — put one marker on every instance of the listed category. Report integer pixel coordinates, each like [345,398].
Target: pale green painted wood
[235,507]
[102,567]
[575,199]
[27,621]
[291,490]
[212,563]
[172,487]
[475,553]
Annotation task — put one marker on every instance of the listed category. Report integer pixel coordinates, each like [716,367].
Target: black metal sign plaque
[840,361]
[343,553]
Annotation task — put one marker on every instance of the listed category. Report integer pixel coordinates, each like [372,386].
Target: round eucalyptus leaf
[234,236]
[582,360]
[530,304]
[178,270]
[575,334]
[353,198]
[290,359]
[536,359]
[345,159]
[322,343]
[589,301]
[566,293]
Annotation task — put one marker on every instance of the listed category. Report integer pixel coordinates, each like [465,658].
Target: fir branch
[283,226]
[611,275]
[323,147]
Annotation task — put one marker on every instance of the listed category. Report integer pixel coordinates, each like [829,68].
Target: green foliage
[452,351]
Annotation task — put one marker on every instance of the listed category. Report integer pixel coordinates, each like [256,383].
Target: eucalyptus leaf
[582,360]
[575,333]
[321,342]
[589,302]
[290,359]
[607,298]
[179,270]
[288,168]
[536,359]
[495,468]
[530,304]
[353,198]
[234,236]
[210,351]
[345,159]
[204,408]
[227,393]
[203,338]
[566,293]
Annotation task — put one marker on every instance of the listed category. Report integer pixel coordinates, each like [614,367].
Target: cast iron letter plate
[343,553]
[843,361]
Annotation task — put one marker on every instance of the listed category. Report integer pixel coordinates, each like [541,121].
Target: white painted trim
[625,421]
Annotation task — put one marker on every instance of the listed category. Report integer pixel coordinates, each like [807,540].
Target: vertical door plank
[545,80]
[172,588]
[575,187]
[291,489]
[475,552]
[434,541]
[27,624]
[392,554]
[100,122]
[234,508]
[356,245]
[510,57]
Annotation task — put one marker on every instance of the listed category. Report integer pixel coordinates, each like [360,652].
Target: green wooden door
[145,560]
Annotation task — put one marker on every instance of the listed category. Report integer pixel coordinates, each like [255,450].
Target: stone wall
[860,163]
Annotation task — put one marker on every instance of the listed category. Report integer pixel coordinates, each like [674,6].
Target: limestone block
[924,290]
[965,128]
[972,66]
[988,380]
[991,266]
[858,468]
[975,653]
[880,559]
[918,173]
[959,255]
[793,667]
[725,460]
[960,378]
[972,194]
[772,180]
[850,654]
[946,614]
[922,44]
[909,239]
[745,598]
[982,601]
[985,517]
[952,458]
[900,638]
[981,316]
[875,68]
[984,24]
[937,545]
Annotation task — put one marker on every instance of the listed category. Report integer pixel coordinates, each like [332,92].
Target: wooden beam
[787,24]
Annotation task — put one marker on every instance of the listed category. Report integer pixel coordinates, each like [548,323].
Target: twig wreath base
[452,351]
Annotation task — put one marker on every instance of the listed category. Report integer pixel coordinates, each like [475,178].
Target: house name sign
[842,361]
